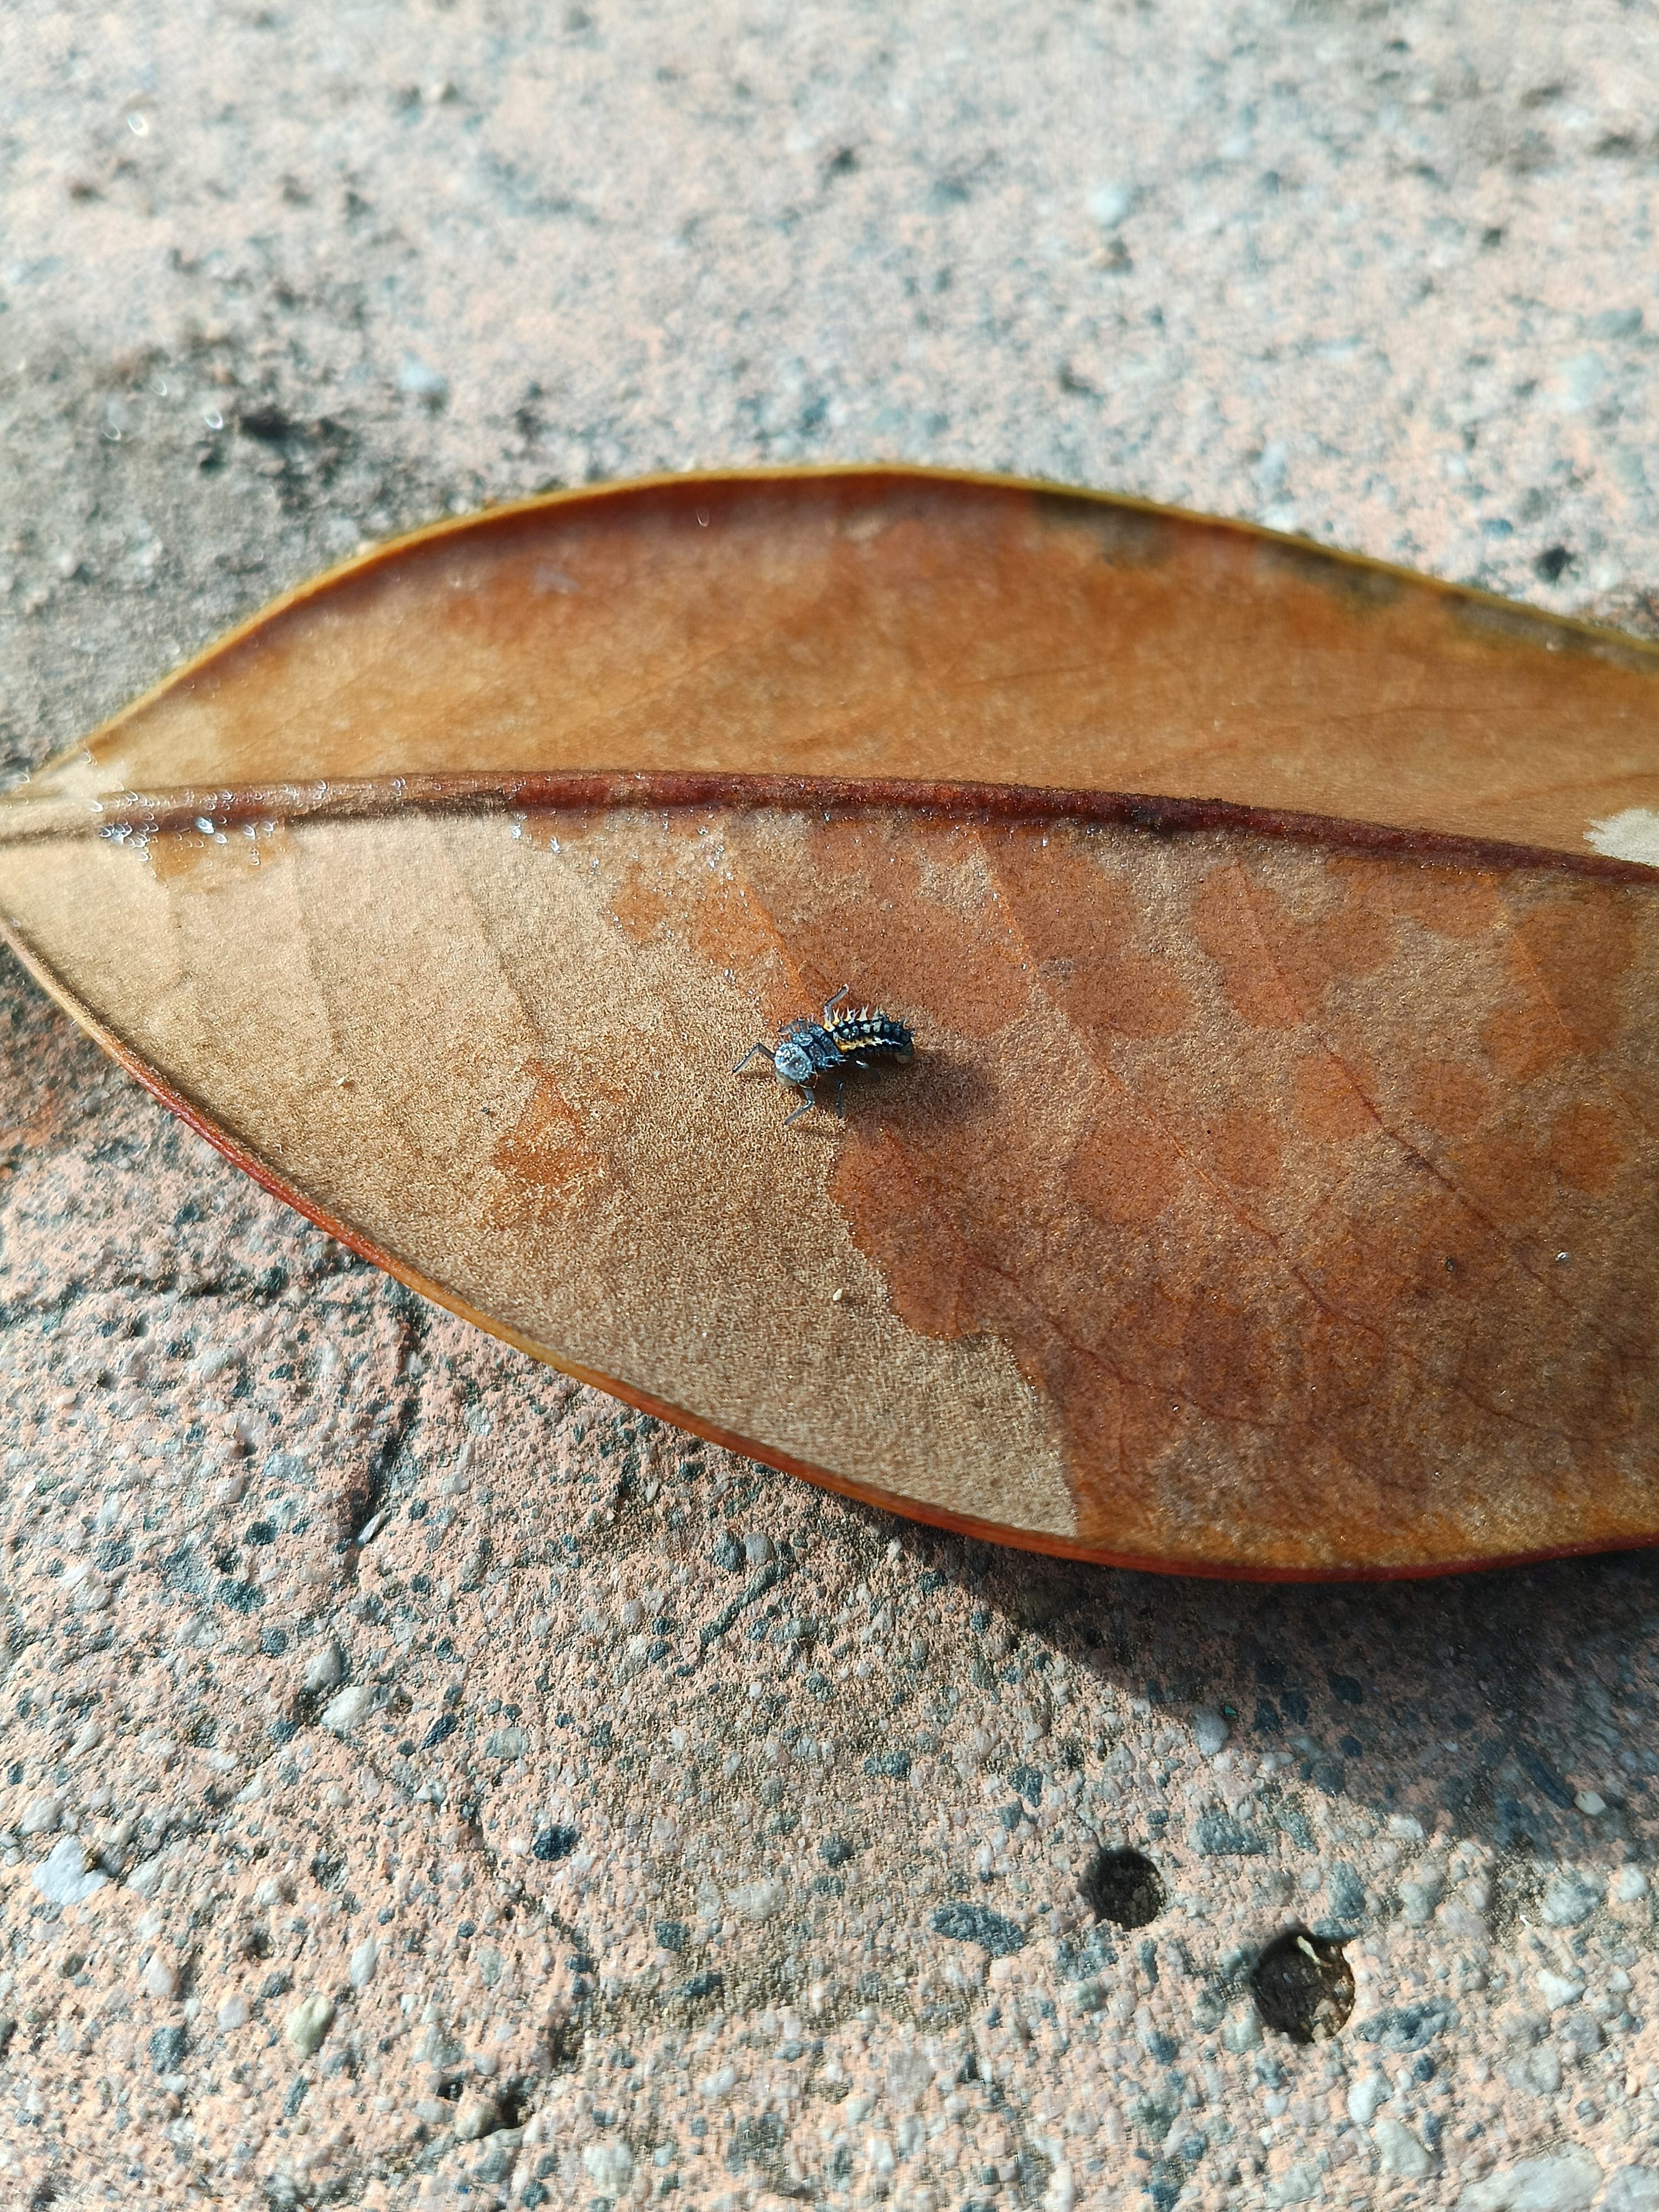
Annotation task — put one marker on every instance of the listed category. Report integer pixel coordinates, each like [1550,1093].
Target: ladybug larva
[830,1046]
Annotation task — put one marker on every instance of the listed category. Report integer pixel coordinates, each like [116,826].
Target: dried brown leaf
[1272,1190]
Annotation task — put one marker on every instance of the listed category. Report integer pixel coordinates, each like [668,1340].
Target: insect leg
[829,1004]
[808,1101]
[750,1055]
[840,1093]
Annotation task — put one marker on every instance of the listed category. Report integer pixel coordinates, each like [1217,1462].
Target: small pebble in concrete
[40,1816]
[418,380]
[1367,2095]
[1571,1897]
[63,1876]
[1218,1835]
[1109,204]
[610,2166]
[1401,2154]
[476,2116]
[757,1901]
[1408,2026]
[1564,2184]
[159,1977]
[167,2049]
[341,1714]
[1632,2189]
[1557,1989]
[1346,1894]
[895,1765]
[309,2022]
[325,1670]
[1210,1730]
[978,1924]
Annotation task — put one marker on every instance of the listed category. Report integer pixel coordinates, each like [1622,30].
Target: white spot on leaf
[1631,835]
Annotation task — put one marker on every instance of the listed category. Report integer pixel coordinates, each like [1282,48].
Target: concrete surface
[616,1819]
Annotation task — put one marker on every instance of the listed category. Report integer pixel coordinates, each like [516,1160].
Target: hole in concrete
[513,2103]
[1124,1888]
[1303,1986]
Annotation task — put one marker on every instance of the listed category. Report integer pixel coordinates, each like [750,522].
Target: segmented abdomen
[870,1031]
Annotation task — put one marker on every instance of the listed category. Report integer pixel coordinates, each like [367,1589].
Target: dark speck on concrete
[1407,2028]
[978,1923]
[1541,1771]
[1218,1835]
[1346,1894]
[894,1764]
